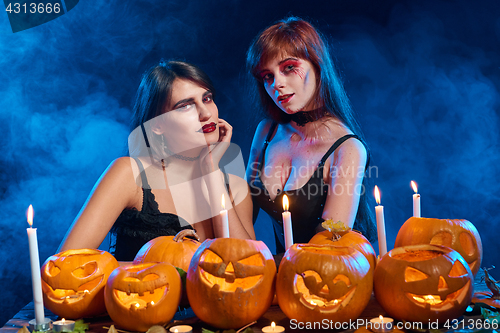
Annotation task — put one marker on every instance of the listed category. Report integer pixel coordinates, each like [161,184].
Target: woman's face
[291,83]
[190,119]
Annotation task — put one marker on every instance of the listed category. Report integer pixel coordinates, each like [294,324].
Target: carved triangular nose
[230,268]
[229,273]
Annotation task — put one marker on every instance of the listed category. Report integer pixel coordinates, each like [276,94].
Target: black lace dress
[134,228]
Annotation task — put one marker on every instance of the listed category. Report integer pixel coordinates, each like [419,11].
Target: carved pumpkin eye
[442,238]
[212,263]
[86,270]
[343,278]
[51,269]
[458,270]
[412,274]
[467,243]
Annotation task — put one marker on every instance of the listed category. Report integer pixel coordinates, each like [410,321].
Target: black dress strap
[266,143]
[336,145]
[144,178]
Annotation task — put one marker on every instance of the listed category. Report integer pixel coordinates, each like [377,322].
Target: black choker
[303,117]
[180,157]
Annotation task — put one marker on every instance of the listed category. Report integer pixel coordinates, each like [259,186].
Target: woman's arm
[114,191]
[345,176]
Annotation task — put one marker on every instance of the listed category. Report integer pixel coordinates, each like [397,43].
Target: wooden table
[274,313]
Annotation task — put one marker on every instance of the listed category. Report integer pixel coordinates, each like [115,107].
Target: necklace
[303,117]
[180,157]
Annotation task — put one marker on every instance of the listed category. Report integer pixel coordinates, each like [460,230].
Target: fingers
[225,131]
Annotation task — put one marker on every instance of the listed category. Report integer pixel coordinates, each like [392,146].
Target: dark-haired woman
[311,147]
[171,180]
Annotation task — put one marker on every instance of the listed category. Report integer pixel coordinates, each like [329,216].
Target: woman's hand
[211,156]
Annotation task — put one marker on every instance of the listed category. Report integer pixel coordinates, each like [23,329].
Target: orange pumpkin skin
[460,235]
[66,276]
[166,249]
[154,287]
[348,238]
[317,282]
[230,282]
[406,276]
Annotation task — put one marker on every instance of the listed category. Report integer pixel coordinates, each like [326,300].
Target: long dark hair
[298,38]
[153,94]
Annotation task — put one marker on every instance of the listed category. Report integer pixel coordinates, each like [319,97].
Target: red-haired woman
[311,148]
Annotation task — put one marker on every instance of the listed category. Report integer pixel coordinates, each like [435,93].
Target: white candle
[416,200]
[36,278]
[379,212]
[273,328]
[63,325]
[381,324]
[287,223]
[181,329]
[225,219]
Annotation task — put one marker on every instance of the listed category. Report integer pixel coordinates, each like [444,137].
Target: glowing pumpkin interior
[446,298]
[246,273]
[139,289]
[327,295]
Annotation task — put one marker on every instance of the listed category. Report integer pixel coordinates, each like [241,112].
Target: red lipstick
[285,98]
[208,128]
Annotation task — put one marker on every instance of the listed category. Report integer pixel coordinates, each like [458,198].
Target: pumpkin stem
[185,232]
[335,236]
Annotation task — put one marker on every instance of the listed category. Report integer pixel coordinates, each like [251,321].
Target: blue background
[423,77]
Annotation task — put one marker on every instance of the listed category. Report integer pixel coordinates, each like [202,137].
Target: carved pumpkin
[140,296]
[230,282]
[460,235]
[347,238]
[317,282]
[177,250]
[73,282]
[423,282]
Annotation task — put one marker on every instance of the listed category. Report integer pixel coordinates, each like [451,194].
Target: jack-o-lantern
[460,235]
[73,282]
[177,250]
[140,296]
[423,282]
[317,282]
[230,282]
[346,237]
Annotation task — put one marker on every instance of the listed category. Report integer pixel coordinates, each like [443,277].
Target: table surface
[274,313]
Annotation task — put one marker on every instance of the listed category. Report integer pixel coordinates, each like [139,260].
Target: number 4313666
[33,8]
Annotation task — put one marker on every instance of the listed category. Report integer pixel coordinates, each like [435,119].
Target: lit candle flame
[414,186]
[285,203]
[381,318]
[30,215]
[273,325]
[137,305]
[176,330]
[223,202]
[63,320]
[377,195]
[152,302]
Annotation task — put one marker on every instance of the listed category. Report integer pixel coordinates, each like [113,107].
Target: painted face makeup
[291,83]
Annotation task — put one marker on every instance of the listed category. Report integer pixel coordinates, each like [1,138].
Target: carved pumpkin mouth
[68,296]
[324,299]
[138,297]
[435,302]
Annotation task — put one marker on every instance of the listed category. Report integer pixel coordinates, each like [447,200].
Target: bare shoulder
[261,133]
[238,186]
[352,149]
[122,174]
